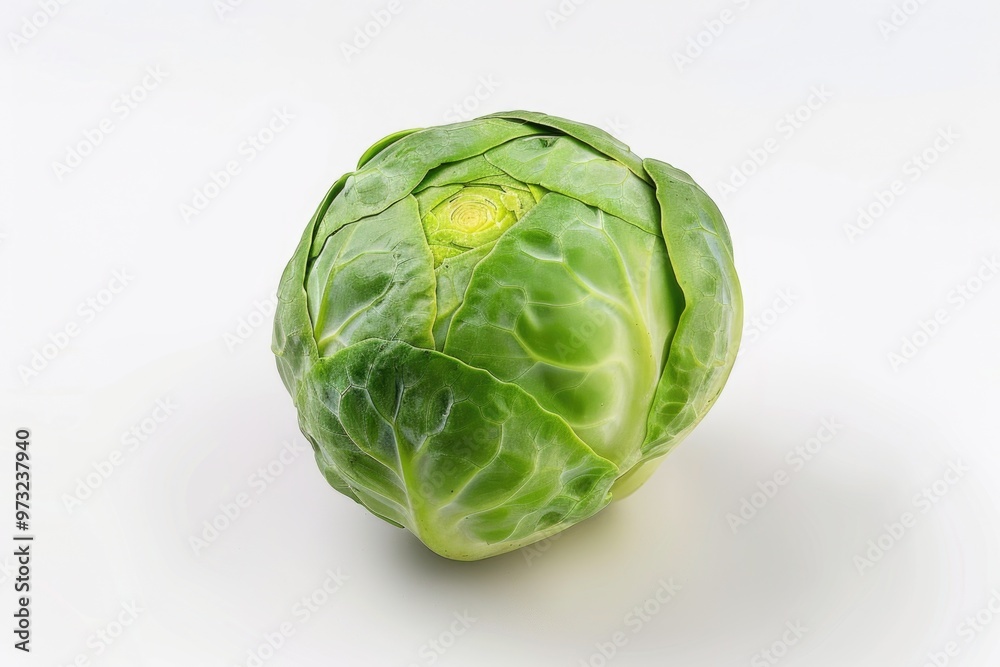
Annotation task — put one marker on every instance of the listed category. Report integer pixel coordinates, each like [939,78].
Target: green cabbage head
[492,329]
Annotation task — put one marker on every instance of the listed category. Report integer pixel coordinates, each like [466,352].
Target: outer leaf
[428,198]
[293,341]
[373,279]
[453,278]
[588,134]
[704,348]
[459,173]
[382,144]
[471,465]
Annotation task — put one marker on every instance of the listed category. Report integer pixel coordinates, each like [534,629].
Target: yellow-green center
[472,217]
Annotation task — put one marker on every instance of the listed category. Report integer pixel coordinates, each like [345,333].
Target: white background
[827,300]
